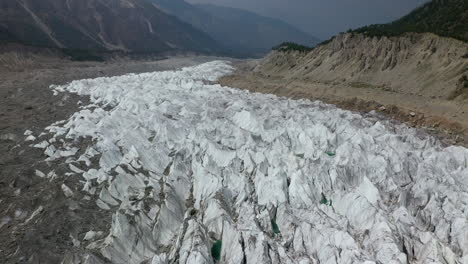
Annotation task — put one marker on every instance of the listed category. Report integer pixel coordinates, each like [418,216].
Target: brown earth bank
[38,224]
[419,79]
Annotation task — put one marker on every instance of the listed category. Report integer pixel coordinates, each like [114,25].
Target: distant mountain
[447,18]
[110,25]
[238,30]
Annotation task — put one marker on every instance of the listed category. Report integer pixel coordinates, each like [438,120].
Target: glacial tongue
[193,172]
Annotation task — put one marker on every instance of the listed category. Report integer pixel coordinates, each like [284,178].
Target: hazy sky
[324,18]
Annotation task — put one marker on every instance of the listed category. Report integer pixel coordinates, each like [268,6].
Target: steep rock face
[412,64]
[125,25]
[238,30]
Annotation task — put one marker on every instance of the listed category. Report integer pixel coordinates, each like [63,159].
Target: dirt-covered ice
[188,168]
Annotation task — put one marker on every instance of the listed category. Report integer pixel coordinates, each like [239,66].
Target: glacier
[183,163]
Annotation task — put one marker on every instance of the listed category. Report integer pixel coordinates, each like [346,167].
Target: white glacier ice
[183,163]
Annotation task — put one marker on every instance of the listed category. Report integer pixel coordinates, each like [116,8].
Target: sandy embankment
[419,79]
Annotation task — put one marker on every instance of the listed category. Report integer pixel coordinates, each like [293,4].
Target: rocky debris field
[171,167]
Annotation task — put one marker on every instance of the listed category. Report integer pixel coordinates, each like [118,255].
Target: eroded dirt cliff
[413,64]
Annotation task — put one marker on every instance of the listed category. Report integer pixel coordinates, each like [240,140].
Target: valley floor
[170,167]
[445,119]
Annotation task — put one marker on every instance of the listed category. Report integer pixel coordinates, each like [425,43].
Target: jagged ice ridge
[184,163]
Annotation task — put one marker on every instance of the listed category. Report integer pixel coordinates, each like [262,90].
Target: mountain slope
[236,29]
[447,18]
[124,25]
